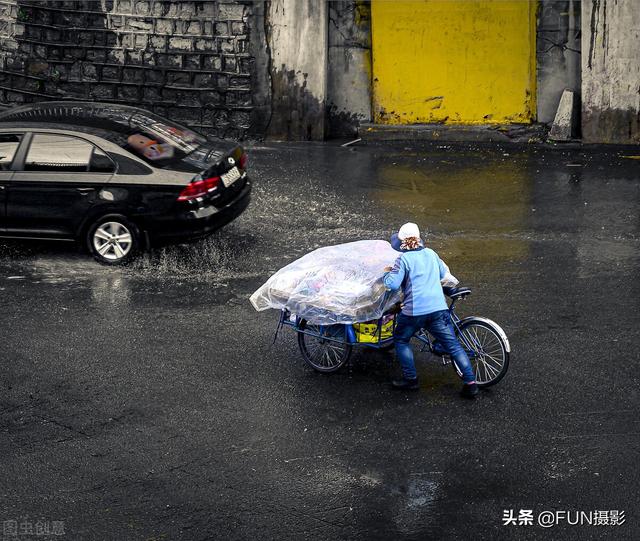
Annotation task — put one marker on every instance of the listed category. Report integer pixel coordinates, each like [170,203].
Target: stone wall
[194,62]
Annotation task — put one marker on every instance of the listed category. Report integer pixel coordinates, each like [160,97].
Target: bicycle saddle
[456,292]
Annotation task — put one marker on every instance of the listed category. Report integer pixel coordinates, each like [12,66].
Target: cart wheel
[328,351]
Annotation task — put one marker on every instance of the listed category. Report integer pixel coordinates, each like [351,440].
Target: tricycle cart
[326,348]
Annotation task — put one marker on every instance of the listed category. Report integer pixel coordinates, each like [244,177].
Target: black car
[117,179]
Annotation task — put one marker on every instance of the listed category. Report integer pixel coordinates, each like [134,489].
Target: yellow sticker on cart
[371,333]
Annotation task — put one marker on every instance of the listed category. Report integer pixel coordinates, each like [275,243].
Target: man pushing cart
[363,294]
[418,272]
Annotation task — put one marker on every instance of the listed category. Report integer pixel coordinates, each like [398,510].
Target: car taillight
[198,188]
[243,161]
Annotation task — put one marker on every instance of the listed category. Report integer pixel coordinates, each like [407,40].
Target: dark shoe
[469,390]
[405,384]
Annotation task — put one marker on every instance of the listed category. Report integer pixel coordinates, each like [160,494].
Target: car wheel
[113,240]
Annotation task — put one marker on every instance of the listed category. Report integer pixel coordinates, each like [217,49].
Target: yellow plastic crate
[368,332]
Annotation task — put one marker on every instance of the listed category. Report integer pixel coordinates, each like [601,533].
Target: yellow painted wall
[453,61]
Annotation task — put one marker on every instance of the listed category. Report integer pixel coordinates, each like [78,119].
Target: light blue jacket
[418,272]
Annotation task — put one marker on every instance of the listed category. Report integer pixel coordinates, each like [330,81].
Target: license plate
[230,177]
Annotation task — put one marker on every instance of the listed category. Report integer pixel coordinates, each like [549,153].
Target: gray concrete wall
[192,61]
[611,71]
[557,54]
[297,41]
[349,69]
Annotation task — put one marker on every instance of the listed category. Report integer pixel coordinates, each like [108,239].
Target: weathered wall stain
[593,30]
[296,34]
[260,71]
[298,114]
[611,72]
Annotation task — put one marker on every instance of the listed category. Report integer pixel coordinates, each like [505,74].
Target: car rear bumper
[200,223]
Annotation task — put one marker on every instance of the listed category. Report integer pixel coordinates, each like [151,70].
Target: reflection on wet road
[148,402]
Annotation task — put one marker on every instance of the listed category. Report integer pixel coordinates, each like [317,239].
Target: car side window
[9,143]
[53,152]
[100,162]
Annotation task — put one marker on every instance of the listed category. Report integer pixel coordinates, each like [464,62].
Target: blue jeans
[440,326]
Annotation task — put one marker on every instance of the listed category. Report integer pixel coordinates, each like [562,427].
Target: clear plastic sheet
[334,284]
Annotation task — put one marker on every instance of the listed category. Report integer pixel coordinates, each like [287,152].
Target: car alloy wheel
[113,241]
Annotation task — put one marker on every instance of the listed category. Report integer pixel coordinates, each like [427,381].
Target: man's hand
[388,269]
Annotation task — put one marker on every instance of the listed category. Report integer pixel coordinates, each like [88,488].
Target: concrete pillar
[562,127]
[349,70]
[297,39]
[610,71]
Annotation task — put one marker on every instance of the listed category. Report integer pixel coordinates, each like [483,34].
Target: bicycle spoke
[475,332]
[328,357]
[479,367]
[312,347]
[473,343]
[489,372]
[485,377]
[499,362]
[488,368]
[494,352]
[491,364]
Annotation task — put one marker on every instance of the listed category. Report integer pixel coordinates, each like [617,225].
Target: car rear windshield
[158,141]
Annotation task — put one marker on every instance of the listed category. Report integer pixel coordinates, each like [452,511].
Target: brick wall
[190,61]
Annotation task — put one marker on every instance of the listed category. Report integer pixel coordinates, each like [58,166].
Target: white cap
[409,230]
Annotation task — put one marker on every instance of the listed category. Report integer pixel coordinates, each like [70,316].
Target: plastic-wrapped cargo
[334,284]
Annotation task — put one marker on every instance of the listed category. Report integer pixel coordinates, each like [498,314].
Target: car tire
[113,240]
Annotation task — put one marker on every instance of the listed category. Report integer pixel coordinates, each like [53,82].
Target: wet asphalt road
[148,402]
